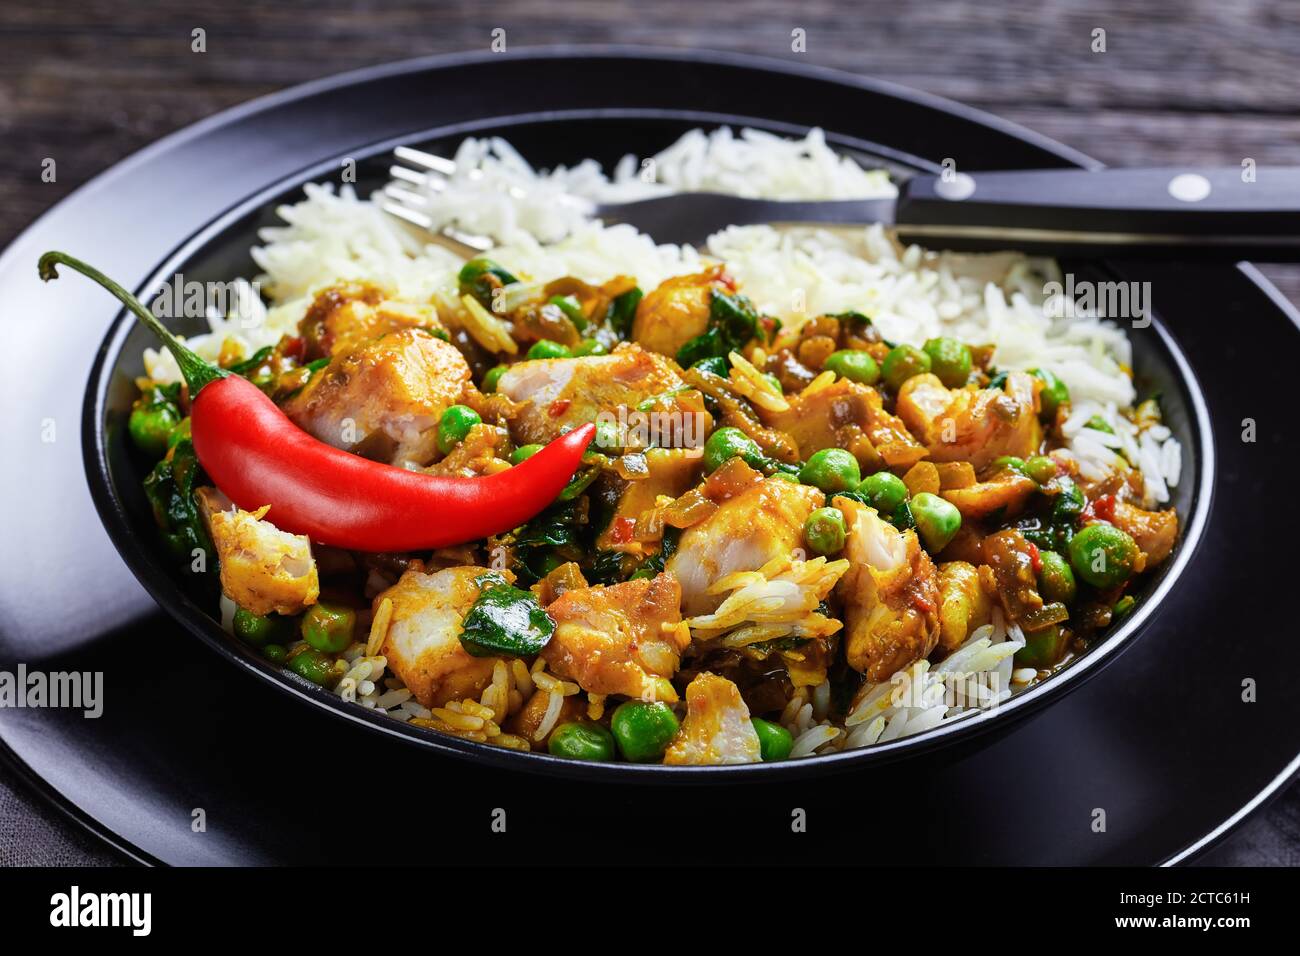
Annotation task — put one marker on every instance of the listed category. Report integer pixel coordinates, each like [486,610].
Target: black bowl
[219,252]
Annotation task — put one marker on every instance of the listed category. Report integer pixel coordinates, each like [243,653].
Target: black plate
[235,731]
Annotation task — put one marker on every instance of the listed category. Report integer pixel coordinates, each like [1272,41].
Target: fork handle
[1223,213]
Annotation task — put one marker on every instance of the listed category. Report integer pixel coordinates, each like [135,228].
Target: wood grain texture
[1196,81]
[87,82]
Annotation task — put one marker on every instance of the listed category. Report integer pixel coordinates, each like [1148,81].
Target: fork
[1227,213]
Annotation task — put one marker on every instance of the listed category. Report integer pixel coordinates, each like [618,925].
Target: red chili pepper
[1035,557]
[257,456]
[621,530]
[558,407]
[296,348]
[1104,507]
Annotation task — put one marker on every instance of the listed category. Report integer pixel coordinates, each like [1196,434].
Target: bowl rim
[142,559]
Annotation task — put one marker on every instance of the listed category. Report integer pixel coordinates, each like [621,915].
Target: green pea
[1103,555]
[328,627]
[950,360]
[256,629]
[571,308]
[937,520]
[643,729]
[714,365]
[902,362]
[774,741]
[1056,580]
[884,491]
[725,444]
[824,531]
[150,426]
[492,377]
[1009,462]
[855,365]
[275,653]
[481,277]
[1042,648]
[1040,468]
[590,347]
[455,425]
[546,349]
[1054,393]
[313,665]
[581,741]
[831,470]
[523,453]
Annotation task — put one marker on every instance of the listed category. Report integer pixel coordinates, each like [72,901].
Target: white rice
[542,220]
[495,191]
[976,676]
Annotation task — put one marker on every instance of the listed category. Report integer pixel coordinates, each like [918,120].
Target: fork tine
[405,196]
[413,216]
[431,181]
[407,175]
[419,157]
[474,241]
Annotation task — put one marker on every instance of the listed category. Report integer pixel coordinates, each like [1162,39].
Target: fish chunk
[890,594]
[383,399]
[746,532]
[623,639]
[348,314]
[1154,531]
[964,604]
[1005,492]
[974,425]
[717,728]
[850,416]
[677,311]
[423,640]
[567,392]
[263,569]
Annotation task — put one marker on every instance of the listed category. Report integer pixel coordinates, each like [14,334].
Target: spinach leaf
[733,321]
[606,567]
[763,649]
[735,315]
[555,527]
[505,621]
[170,490]
[622,311]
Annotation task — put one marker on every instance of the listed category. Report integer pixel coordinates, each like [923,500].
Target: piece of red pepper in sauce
[256,456]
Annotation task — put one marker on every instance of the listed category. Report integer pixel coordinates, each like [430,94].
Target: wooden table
[87,82]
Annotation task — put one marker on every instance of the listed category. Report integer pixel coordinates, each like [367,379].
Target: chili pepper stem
[196,371]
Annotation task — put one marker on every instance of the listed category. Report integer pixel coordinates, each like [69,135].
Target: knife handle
[1226,213]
